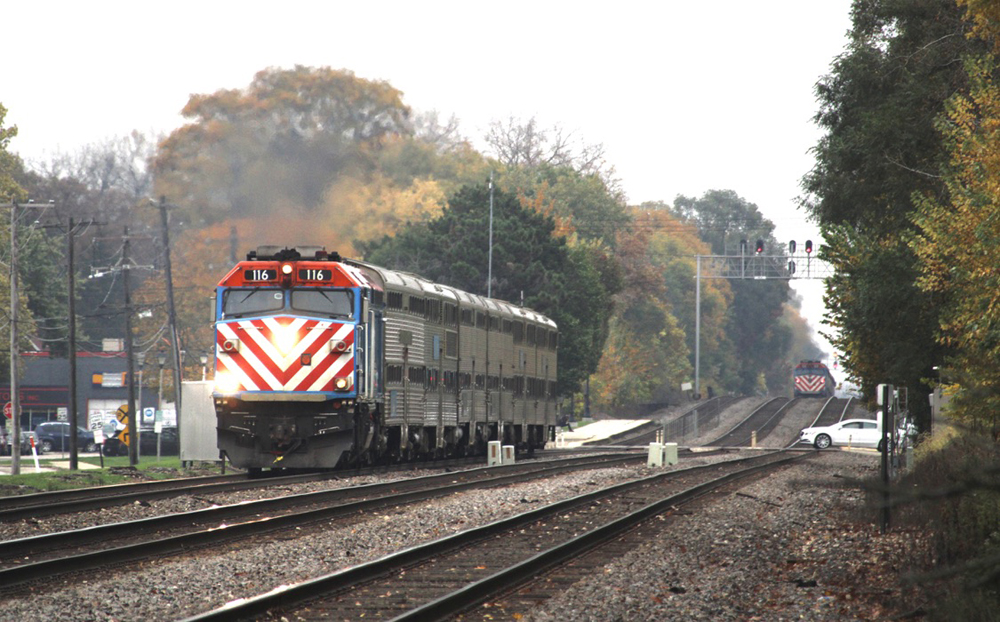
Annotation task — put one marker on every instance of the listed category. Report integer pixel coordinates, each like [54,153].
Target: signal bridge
[743,267]
[762,267]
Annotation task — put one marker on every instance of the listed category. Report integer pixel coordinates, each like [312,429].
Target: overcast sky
[684,96]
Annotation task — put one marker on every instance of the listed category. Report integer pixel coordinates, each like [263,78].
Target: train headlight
[229,346]
[226,382]
[286,268]
[285,339]
[342,384]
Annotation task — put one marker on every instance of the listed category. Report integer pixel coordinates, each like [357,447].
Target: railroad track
[41,557]
[834,410]
[42,504]
[762,421]
[449,576]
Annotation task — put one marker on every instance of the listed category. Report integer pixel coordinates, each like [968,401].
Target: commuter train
[813,379]
[323,361]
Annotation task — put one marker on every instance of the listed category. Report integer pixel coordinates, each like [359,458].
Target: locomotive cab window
[324,302]
[241,302]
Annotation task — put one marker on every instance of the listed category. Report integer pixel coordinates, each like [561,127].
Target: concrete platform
[596,431]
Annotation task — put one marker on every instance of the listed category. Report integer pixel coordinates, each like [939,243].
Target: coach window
[325,302]
[394,300]
[518,332]
[450,314]
[240,302]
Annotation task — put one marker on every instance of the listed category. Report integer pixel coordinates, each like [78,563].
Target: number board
[260,274]
[315,274]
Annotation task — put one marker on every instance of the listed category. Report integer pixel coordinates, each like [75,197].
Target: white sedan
[850,432]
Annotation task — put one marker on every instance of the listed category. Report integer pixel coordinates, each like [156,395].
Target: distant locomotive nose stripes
[285,354]
[810,384]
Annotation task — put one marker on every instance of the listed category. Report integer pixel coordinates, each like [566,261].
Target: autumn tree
[10,164]
[11,168]
[878,108]
[647,356]
[312,156]
[958,245]
[573,177]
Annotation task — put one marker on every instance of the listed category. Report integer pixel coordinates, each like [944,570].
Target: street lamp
[204,366]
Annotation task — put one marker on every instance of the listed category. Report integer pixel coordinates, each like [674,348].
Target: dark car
[169,444]
[55,436]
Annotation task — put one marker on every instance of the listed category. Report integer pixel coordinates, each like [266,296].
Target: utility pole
[132,428]
[175,343]
[15,402]
[125,267]
[489,272]
[74,448]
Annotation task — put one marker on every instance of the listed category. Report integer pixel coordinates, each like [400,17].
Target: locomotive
[813,379]
[323,361]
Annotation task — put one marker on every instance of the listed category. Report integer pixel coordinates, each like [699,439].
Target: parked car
[5,444]
[55,436]
[169,444]
[853,432]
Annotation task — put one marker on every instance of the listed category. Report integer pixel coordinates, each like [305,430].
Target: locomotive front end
[289,362]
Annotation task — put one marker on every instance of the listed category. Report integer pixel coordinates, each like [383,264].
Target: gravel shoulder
[794,546]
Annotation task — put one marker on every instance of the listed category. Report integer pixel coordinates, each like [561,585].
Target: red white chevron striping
[810,384]
[270,356]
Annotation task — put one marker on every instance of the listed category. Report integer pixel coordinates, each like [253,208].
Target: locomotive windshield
[242,302]
[325,302]
[239,302]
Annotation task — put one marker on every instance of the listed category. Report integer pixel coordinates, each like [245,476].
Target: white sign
[148,414]
[686,386]
[62,413]
[98,437]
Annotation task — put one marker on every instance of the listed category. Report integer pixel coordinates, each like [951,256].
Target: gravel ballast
[793,546]
[787,547]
